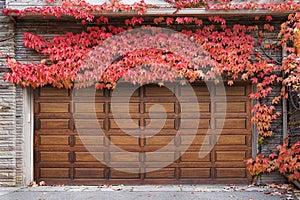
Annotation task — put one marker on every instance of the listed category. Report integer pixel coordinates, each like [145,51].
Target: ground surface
[157,192]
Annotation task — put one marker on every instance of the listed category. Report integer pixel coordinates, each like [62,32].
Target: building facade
[38,139]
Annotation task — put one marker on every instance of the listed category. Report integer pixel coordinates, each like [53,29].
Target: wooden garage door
[61,157]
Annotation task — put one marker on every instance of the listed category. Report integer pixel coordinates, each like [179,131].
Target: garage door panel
[198,91]
[124,157]
[232,140]
[160,157]
[195,165]
[54,124]
[238,123]
[89,173]
[89,156]
[89,140]
[160,123]
[54,140]
[124,124]
[54,172]
[230,164]
[195,139]
[194,173]
[230,107]
[160,107]
[89,124]
[54,157]
[125,90]
[89,107]
[125,108]
[156,91]
[235,90]
[54,107]
[88,92]
[192,123]
[230,155]
[231,173]
[160,140]
[124,140]
[194,157]
[69,145]
[53,92]
[132,173]
[190,107]
[166,173]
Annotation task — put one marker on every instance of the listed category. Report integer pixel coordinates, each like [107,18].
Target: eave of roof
[169,11]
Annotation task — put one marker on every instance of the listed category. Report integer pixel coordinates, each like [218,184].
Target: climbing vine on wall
[232,51]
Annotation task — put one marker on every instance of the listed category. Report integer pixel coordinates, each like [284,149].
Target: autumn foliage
[286,161]
[232,52]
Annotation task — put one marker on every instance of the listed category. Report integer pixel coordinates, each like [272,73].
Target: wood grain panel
[230,155]
[240,123]
[231,107]
[194,157]
[160,156]
[232,140]
[190,123]
[89,173]
[88,92]
[160,140]
[124,140]
[157,123]
[166,173]
[125,108]
[89,124]
[54,107]
[167,107]
[54,140]
[53,92]
[54,172]
[124,124]
[192,173]
[156,91]
[190,108]
[234,90]
[116,174]
[89,140]
[89,156]
[126,90]
[124,157]
[54,156]
[54,123]
[198,91]
[89,107]
[196,140]
[231,172]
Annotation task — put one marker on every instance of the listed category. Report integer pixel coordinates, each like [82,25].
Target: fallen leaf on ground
[104,186]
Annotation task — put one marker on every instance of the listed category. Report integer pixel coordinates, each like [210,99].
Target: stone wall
[8,107]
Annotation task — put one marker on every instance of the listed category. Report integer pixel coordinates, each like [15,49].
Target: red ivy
[286,161]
